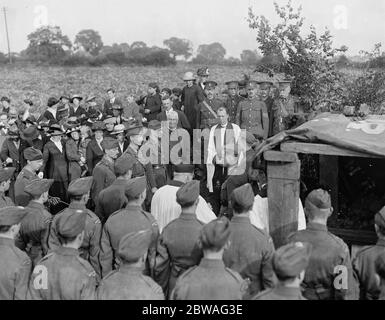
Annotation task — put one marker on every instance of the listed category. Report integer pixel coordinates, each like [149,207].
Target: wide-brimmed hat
[76,96]
[133,127]
[98,125]
[189,76]
[119,128]
[55,129]
[52,101]
[30,133]
[65,97]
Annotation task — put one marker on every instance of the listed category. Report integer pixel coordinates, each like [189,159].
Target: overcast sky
[356,23]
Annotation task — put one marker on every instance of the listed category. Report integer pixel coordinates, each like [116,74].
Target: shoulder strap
[210,109]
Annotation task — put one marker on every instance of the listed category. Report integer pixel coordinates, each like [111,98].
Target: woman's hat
[30,133]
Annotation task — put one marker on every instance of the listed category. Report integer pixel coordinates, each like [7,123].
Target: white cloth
[164,207]
[53,111]
[58,144]
[99,142]
[259,215]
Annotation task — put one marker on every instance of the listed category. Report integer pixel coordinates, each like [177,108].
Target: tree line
[48,45]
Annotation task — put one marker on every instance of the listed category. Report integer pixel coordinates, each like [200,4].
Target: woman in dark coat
[55,166]
[153,102]
[72,146]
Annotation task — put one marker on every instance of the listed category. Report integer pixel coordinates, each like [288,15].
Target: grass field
[39,83]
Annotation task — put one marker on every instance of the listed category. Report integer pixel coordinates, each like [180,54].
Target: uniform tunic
[69,277]
[280,293]
[210,280]
[5,201]
[250,253]
[252,116]
[34,231]
[90,247]
[231,105]
[177,250]
[129,283]
[15,270]
[120,223]
[104,176]
[191,97]
[205,118]
[328,252]
[24,178]
[364,267]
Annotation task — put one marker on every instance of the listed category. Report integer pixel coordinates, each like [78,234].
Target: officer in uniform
[211,280]
[34,231]
[15,265]
[178,248]
[79,191]
[64,261]
[251,250]
[233,100]
[128,282]
[34,159]
[113,198]
[252,113]
[365,261]
[130,219]
[289,264]
[330,257]
[206,110]
[6,175]
[264,95]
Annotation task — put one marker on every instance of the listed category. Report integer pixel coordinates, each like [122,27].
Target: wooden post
[328,176]
[283,173]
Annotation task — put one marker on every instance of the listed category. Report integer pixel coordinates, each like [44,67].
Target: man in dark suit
[119,134]
[94,151]
[107,107]
[167,107]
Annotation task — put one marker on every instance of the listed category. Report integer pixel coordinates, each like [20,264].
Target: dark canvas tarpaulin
[366,136]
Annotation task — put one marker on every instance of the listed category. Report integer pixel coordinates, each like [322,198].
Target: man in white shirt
[223,155]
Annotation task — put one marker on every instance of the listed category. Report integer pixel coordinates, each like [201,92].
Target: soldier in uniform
[364,264]
[103,173]
[79,191]
[211,280]
[6,175]
[34,231]
[264,95]
[15,265]
[65,261]
[233,100]
[206,110]
[112,198]
[178,247]
[289,264]
[34,159]
[251,250]
[252,113]
[128,282]
[130,219]
[330,253]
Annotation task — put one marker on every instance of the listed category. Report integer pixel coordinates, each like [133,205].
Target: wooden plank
[283,194]
[315,148]
[328,176]
[280,156]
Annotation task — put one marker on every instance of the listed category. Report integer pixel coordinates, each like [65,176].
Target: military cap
[110,119]
[133,127]
[52,101]
[251,84]
[123,164]
[98,126]
[243,196]
[184,168]
[109,143]
[265,84]
[134,245]
[38,186]
[55,129]
[210,84]
[71,222]
[117,106]
[188,193]
[154,125]
[153,85]
[5,99]
[32,154]
[135,187]
[119,128]
[251,140]
[232,84]
[28,101]
[30,133]
[10,216]
[319,199]
[215,234]
[242,84]
[6,173]
[290,260]
[379,218]
[80,186]
[204,71]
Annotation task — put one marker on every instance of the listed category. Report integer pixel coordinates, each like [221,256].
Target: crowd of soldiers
[83,216]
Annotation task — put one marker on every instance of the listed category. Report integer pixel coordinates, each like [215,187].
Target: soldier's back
[280,293]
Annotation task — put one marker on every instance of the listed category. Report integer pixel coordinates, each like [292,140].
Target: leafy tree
[138,45]
[89,40]
[3,58]
[249,57]
[47,44]
[179,47]
[210,53]
[308,58]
